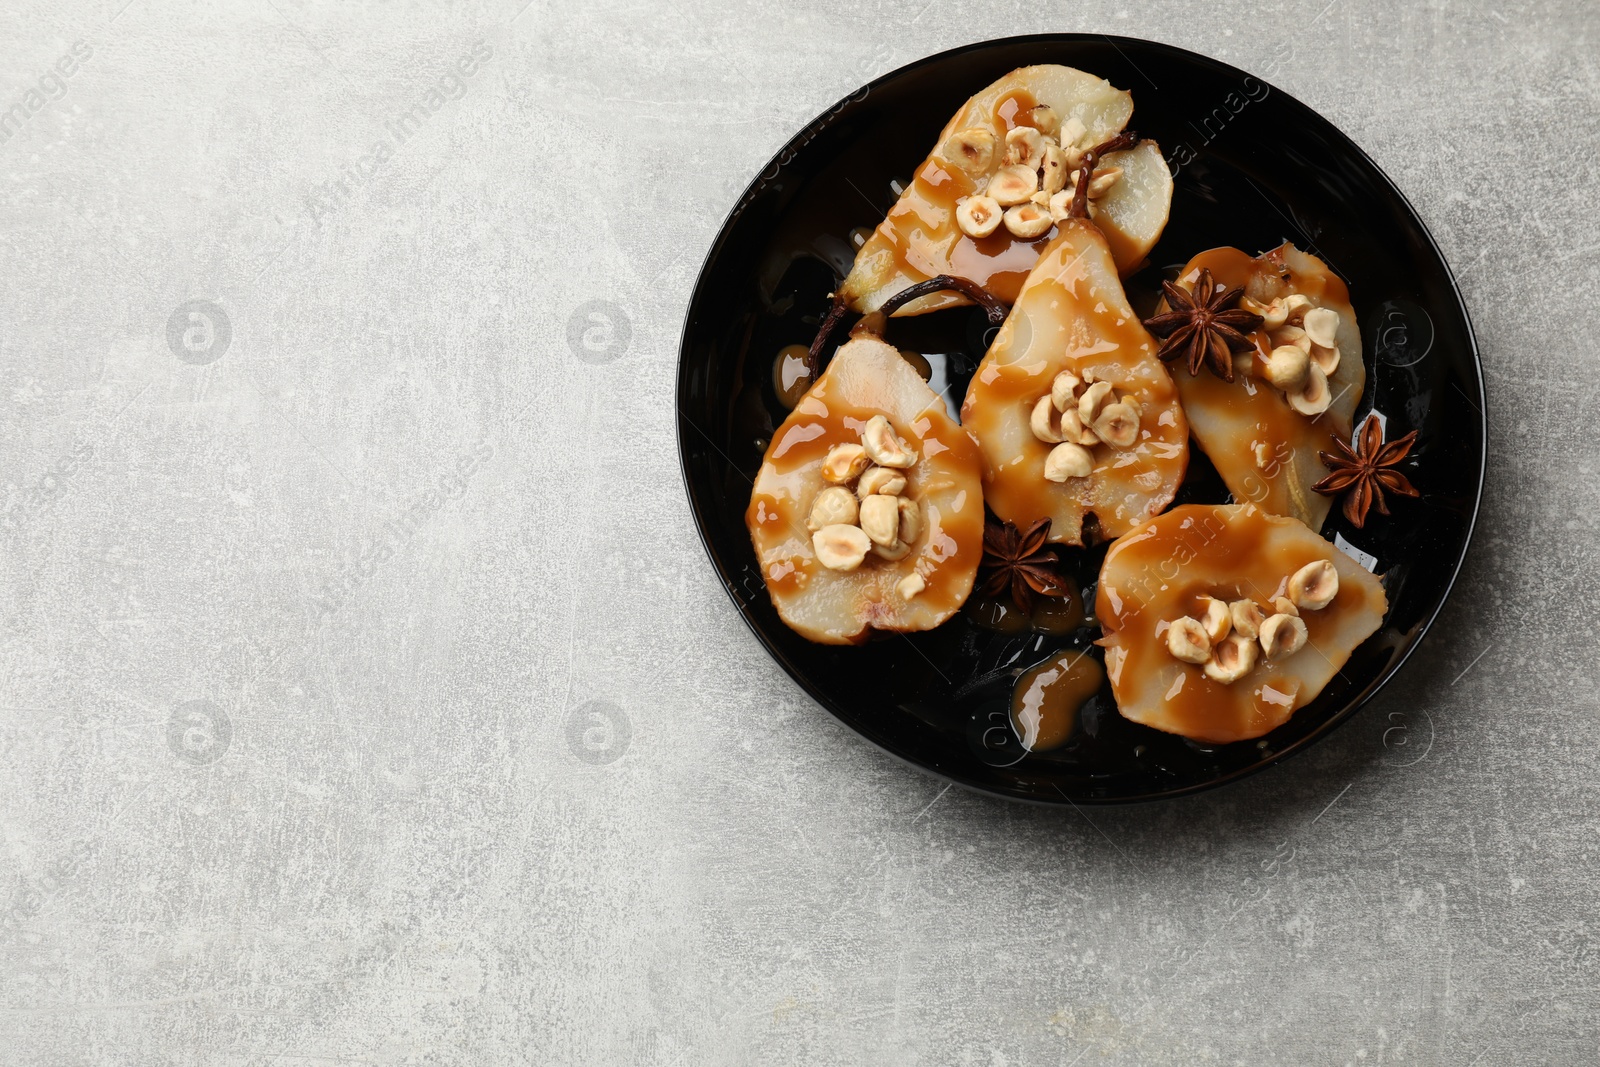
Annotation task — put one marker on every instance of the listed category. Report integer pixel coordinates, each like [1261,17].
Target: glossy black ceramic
[1253,167]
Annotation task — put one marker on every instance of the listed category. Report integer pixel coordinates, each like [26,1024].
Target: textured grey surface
[367,696]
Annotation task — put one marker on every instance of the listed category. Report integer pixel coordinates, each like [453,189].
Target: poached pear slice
[1266,450]
[1072,315]
[1161,571]
[1134,212]
[921,238]
[868,378]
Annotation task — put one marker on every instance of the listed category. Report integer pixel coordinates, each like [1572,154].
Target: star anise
[1020,561]
[1204,325]
[1364,473]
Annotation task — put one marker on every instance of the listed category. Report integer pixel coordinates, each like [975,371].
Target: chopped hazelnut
[844,463]
[1283,635]
[1247,617]
[1314,586]
[833,506]
[1067,461]
[1187,640]
[1045,422]
[1231,659]
[1215,617]
[840,547]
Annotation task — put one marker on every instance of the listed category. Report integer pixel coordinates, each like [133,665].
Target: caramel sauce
[1046,698]
[858,385]
[1073,315]
[1158,573]
[1267,455]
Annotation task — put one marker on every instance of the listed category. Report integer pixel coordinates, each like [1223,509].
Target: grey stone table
[366,696]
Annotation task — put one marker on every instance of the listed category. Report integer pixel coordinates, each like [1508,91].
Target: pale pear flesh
[920,237]
[868,377]
[1072,314]
[1160,572]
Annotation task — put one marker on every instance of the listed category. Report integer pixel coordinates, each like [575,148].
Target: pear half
[1266,450]
[921,238]
[1072,316]
[940,550]
[1161,571]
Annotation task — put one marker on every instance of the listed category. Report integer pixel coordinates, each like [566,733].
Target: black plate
[1253,167]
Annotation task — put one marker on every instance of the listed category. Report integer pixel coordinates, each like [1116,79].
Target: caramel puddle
[1046,698]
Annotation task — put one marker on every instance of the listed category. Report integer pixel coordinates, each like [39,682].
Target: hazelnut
[1013,185]
[1283,635]
[910,520]
[893,552]
[844,463]
[1273,314]
[1326,358]
[1282,605]
[1064,390]
[1314,586]
[1288,367]
[840,547]
[978,216]
[1053,171]
[1104,178]
[1187,640]
[1073,429]
[834,506]
[1314,396]
[1322,326]
[885,449]
[1296,305]
[1292,335]
[1073,131]
[881,480]
[1231,659]
[1247,617]
[909,586]
[1093,401]
[971,149]
[1024,146]
[1044,422]
[1215,617]
[1066,461]
[1028,220]
[1043,118]
[880,519]
[1118,424]
[1061,205]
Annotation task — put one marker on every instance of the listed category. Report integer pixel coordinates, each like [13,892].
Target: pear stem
[1091,159]
[994,309]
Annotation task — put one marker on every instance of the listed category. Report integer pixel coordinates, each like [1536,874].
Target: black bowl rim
[1339,718]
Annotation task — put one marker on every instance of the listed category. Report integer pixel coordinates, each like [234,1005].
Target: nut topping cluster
[1227,637]
[1032,190]
[1305,351]
[865,510]
[1076,415]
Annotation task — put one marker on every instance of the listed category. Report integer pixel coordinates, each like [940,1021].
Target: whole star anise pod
[1364,473]
[1203,325]
[1020,561]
